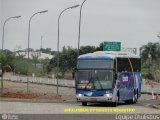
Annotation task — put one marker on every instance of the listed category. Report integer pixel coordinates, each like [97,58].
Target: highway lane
[20,107]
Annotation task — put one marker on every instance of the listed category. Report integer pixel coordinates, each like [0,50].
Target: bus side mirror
[115,78]
[75,69]
[74,73]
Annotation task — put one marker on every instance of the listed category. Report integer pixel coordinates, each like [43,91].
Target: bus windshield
[95,79]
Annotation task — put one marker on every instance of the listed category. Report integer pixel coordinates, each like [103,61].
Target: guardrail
[40,80]
[147,86]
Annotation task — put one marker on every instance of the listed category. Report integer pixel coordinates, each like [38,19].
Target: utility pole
[41,42]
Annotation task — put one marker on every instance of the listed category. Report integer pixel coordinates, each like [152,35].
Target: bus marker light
[108,95]
[79,95]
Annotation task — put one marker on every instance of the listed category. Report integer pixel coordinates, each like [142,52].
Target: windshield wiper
[89,82]
[99,83]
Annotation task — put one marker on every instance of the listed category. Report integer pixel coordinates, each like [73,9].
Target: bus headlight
[79,95]
[108,95]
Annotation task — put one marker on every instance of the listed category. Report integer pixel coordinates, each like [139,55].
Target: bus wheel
[127,101]
[136,96]
[134,99]
[115,103]
[84,103]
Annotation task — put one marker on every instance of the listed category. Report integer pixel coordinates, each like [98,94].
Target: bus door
[126,85]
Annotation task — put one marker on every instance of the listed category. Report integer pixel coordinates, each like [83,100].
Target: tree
[87,49]
[5,61]
[100,47]
[150,55]
[3,58]
[6,58]
[47,50]
[150,51]
[35,57]
[68,59]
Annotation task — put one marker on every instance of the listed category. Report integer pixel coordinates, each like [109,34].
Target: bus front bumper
[95,99]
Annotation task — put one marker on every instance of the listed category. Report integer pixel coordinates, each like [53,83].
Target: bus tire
[127,102]
[115,104]
[84,103]
[116,100]
[134,99]
[136,96]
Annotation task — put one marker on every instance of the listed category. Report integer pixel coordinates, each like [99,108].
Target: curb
[155,106]
[149,93]
[36,101]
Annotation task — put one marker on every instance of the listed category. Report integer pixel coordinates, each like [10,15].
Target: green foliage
[35,58]
[47,50]
[20,66]
[68,59]
[5,59]
[23,66]
[100,47]
[87,49]
[151,50]
[45,63]
[150,55]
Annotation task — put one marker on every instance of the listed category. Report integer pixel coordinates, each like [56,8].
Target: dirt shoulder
[18,90]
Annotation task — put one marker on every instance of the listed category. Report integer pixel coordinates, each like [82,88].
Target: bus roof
[108,55]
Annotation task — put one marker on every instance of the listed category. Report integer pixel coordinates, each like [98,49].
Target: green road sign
[112,46]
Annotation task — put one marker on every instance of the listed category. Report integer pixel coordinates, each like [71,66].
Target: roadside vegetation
[150,55]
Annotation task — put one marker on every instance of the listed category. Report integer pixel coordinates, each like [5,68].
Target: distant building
[39,54]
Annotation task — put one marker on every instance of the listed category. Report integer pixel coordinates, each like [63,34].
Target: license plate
[93,99]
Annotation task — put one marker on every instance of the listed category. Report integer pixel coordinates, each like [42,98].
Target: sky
[131,22]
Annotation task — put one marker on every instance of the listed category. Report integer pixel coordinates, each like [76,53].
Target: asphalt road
[56,110]
[59,107]
[148,102]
